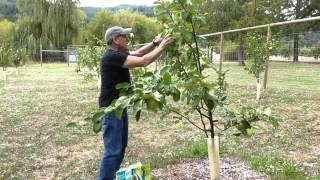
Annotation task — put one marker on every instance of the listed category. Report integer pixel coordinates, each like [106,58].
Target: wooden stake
[214,160]
[258,89]
[267,61]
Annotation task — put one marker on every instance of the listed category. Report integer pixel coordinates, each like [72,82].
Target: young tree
[258,51]
[5,60]
[225,15]
[88,62]
[19,57]
[6,28]
[184,80]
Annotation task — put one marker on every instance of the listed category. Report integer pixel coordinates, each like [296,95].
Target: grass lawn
[37,104]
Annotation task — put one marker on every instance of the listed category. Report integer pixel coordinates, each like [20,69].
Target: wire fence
[293,46]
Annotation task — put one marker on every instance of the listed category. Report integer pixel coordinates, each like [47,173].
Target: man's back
[112,73]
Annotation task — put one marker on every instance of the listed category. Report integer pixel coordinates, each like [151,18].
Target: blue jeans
[115,139]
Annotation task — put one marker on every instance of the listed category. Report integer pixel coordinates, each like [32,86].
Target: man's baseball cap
[115,31]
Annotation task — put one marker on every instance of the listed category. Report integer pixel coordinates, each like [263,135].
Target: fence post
[267,62]
[221,52]
[41,51]
[68,54]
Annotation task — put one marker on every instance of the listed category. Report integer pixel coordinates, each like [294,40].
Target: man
[114,69]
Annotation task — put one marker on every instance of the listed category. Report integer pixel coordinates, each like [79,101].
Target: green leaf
[164,70]
[211,101]
[109,109]
[148,96]
[187,16]
[138,114]
[243,126]
[152,104]
[123,85]
[274,121]
[97,116]
[83,123]
[137,106]
[118,113]
[237,134]
[267,111]
[176,95]
[123,102]
[71,125]
[249,132]
[97,127]
[167,78]
[148,74]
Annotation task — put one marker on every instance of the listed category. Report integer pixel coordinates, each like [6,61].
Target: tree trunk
[295,47]
[296,36]
[258,89]
[290,51]
[214,160]
[241,55]
[99,82]
[241,51]
[4,76]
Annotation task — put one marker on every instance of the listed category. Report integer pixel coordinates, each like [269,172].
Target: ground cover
[37,105]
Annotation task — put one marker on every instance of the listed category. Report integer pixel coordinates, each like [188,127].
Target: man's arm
[145,60]
[143,50]
[146,48]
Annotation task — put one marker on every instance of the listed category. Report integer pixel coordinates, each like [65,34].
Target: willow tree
[63,22]
[33,13]
[48,22]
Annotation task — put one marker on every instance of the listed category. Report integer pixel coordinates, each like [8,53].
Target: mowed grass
[286,76]
[37,104]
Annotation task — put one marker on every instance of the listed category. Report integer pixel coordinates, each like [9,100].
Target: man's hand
[165,42]
[157,40]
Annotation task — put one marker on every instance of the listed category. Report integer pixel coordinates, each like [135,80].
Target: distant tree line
[59,23]
[8,9]
[44,24]
[232,14]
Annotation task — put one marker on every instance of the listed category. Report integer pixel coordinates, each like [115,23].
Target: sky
[111,3]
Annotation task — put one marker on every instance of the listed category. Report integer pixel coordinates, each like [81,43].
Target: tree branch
[188,120]
[204,125]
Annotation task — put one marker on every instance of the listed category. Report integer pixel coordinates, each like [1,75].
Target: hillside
[146,10]
[8,9]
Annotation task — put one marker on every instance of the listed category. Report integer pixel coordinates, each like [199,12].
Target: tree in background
[64,20]
[88,62]
[6,35]
[258,51]
[225,15]
[48,22]
[93,33]
[144,28]
[298,9]
[19,57]
[34,13]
